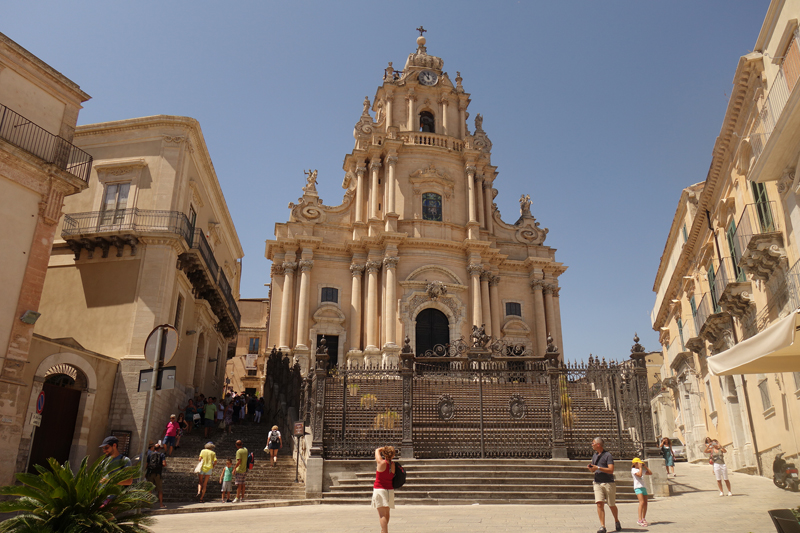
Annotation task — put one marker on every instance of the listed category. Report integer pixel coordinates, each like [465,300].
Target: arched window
[426,122]
[431,206]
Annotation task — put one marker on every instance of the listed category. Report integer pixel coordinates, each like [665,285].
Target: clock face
[427,77]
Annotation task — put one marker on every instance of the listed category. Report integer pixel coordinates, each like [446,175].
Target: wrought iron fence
[463,407]
[707,306]
[783,297]
[200,243]
[53,149]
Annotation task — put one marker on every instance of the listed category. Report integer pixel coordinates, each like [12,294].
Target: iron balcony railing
[757,218]
[21,132]
[727,272]
[127,220]
[783,297]
[200,243]
[708,306]
[776,99]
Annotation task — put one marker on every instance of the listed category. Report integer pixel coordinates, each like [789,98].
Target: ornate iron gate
[478,402]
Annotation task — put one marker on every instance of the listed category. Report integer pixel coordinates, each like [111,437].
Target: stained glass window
[431,206]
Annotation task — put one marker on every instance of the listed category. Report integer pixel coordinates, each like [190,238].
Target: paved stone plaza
[696,507]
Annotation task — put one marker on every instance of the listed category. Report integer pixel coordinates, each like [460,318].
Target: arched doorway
[432,329]
[63,385]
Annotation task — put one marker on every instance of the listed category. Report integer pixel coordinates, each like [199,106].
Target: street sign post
[40,403]
[159,348]
[36,421]
[299,431]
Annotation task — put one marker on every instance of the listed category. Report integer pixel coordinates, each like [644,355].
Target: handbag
[196,417]
[199,467]
[711,460]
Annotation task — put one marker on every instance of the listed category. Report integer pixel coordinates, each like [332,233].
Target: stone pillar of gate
[644,417]
[315,460]
[554,378]
[407,374]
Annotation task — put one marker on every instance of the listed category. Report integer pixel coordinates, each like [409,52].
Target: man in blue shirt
[605,490]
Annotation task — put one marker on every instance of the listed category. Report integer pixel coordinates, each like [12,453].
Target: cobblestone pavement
[695,507]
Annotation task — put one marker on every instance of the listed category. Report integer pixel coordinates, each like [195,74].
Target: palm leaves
[58,500]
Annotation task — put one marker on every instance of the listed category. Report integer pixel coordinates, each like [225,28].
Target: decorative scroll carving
[436,289]
[364,124]
[516,407]
[446,407]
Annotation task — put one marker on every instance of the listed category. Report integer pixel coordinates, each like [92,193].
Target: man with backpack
[240,470]
[156,461]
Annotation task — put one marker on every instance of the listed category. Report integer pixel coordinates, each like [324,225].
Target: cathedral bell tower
[417,248]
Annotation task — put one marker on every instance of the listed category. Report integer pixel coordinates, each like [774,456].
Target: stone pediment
[329,313]
[429,273]
[515,327]
[431,174]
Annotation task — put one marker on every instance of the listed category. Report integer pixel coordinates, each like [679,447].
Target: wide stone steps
[501,481]
[263,481]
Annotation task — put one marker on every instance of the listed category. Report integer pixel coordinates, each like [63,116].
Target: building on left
[39,167]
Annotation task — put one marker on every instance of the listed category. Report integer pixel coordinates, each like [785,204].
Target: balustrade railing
[778,95]
[756,219]
[432,139]
[53,149]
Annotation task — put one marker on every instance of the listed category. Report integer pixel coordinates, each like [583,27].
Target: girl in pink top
[171,434]
[383,490]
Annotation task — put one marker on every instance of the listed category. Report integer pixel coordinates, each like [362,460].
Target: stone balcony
[127,227]
[760,240]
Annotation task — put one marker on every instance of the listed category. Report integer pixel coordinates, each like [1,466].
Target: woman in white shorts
[720,468]
[383,489]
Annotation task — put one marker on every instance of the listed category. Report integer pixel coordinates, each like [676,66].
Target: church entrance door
[332,342]
[433,329]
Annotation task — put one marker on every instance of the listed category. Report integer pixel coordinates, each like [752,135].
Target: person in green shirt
[211,415]
[240,471]
[226,478]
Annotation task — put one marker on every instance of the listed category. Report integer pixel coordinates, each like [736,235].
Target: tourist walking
[117,459]
[229,417]
[226,479]
[605,489]
[155,464]
[274,443]
[669,457]
[259,411]
[383,489]
[720,468]
[640,469]
[184,426]
[208,459]
[211,415]
[240,471]
[192,416]
[171,434]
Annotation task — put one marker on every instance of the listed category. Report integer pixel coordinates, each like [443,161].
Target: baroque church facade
[417,248]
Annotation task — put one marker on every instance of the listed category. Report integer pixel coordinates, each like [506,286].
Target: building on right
[729,271]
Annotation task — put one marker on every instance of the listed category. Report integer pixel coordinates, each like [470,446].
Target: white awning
[776,349]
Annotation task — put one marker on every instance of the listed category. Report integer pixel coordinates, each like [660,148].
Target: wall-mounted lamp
[191,332]
[30,317]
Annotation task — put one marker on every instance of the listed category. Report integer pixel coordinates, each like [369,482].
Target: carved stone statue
[525,205]
[479,337]
[478,122]
[311,179]
[366,106]
[436,289]
[389,73]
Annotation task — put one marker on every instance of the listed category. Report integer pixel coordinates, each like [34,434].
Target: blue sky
[601,111]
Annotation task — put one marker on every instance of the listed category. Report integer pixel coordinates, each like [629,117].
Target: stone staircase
[493,481]
[263,481]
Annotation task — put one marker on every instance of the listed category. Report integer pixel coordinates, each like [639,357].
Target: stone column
[485,305]
[557,312]
[375,167]
[550,319]
[286,305]
[391,185]
[479,198]
[355,307]
[540,342]
[360,194]
[494,295]
[302,313]
[389,102]
[475,270]
[410,98]
[487,206]
[462,121]
[372,304]
[390,313]
[445,129]
[470,171]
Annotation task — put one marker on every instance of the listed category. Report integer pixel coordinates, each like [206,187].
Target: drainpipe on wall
[750,423]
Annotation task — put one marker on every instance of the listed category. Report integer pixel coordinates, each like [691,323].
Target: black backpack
[251,461]
[273,437]
[154,463]
[399,476]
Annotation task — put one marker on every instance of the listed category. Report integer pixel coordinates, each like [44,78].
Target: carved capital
[537,284]
[474,269]
[306,265]
[373,266]
[486,276]
[479,179]
[470,170]
[374,164]
[289,267]
[391,160]
[360,170]
[356,269]
[548,288]
[276,270]
[390,261]
[786,181]
[556,290]
[494,281]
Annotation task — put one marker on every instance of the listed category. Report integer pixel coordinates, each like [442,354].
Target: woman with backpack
[274,443]
[383,489]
